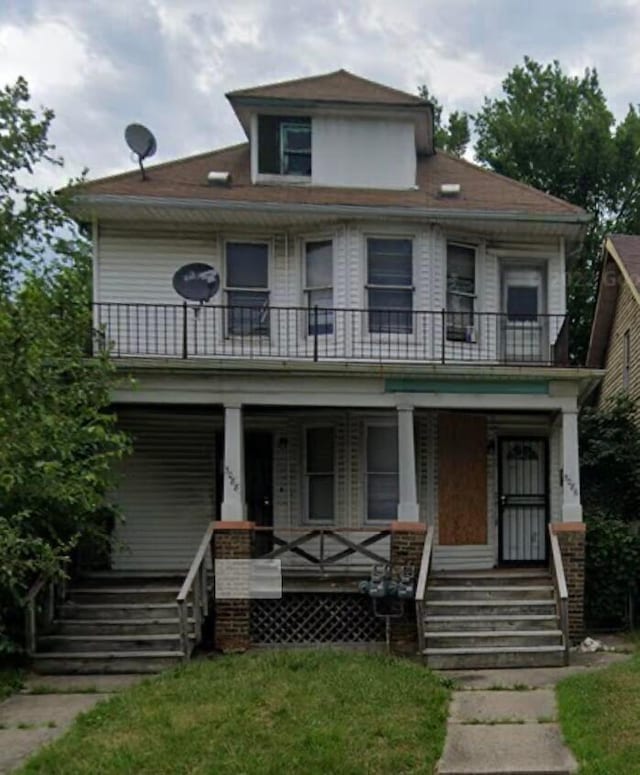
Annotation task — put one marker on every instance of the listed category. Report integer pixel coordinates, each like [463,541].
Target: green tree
[59,440]
[556,132]
[452,137]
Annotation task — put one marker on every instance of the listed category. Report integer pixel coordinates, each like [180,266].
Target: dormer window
[284,145]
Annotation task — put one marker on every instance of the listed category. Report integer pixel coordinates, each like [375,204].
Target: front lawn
[280,712]
[600,716]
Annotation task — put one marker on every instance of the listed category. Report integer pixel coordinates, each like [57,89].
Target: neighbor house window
[284,145]
[247,287]
[318,282]
[382,472]
[320,474]
[461,291]
[626,359]
[390,285]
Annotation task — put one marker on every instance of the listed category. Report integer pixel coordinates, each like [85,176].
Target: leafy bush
[612,569]
[59,439]
[610,459]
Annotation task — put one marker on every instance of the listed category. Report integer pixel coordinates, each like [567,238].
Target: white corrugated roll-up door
[166,490]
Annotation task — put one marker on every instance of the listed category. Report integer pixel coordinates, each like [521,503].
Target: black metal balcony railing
[322,334]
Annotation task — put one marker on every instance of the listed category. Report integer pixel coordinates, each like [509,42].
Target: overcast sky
[101,64]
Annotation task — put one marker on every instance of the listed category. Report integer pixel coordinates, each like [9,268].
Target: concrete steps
[492,619]
[115,624]
[98,662]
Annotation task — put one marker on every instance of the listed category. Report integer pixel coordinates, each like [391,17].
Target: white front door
[524,324]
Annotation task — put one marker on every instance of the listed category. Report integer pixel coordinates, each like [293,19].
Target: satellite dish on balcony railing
[196,282]
[142,143]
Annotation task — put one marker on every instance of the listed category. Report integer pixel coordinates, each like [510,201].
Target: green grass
[272,713]
[10,681]
[600,717]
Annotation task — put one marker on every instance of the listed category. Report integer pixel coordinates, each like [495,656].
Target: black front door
[258,455]
[258,462]
[523,500]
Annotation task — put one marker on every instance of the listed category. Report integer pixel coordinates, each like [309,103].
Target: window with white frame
[284,145]
[247,288]
[626,359]
[382,482]
[390,285]
[318,286]
[320,474]
[461,292]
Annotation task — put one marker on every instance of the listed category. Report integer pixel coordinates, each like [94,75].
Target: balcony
[330,334]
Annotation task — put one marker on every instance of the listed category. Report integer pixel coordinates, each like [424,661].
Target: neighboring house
[615,334]
[387,351]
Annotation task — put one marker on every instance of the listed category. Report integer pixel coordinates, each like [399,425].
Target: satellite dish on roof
[196,282]
[142,143]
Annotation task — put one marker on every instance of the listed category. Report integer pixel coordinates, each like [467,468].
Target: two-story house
[385,358]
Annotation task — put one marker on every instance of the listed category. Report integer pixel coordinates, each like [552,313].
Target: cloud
[103,63]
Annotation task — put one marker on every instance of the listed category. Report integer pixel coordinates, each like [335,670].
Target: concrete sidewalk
[505,721]
[46,708]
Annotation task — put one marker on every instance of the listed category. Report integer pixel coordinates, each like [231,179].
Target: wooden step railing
[562,593]
[421,586]
[54,587]
[195,586]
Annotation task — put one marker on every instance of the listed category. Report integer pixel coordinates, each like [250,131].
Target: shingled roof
[337,86]
[620,264]
[481,190]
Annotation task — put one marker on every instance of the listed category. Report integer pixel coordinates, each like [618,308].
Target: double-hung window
[318,282]
[284,145]
[382,483]
[390,285]
[320,474]
[461,292]
[247,287]
[295,148]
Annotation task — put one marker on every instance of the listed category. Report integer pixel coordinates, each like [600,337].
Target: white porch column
[234,508]
[408,510]
[571,506]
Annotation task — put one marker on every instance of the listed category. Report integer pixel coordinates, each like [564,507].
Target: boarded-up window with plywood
[462,479]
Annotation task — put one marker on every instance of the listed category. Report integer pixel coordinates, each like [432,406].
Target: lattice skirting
[315,618]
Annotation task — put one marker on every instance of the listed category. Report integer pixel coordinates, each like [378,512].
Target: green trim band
[484,387]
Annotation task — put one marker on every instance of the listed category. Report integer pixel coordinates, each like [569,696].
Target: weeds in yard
[263,714]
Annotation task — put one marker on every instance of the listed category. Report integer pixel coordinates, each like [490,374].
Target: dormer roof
[337,86]
[338,92]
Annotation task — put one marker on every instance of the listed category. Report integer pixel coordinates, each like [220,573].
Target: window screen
[390,285]
[461,290]
[247,282]
[382,472]
[320,474]
[319,286]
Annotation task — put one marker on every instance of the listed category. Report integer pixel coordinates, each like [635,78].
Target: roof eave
[421,213]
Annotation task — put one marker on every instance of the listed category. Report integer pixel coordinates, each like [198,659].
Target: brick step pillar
[232,629]
[407,544]
[571,539]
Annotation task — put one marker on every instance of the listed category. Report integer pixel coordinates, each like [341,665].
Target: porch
[322,486]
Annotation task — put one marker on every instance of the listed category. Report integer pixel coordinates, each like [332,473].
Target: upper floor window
[390,285]
[284,145]
[247,287]
[461,291]
[320,474]
[626,359]
[318,286]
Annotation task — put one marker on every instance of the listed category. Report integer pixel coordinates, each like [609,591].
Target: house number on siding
[235,485]
[571,484]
